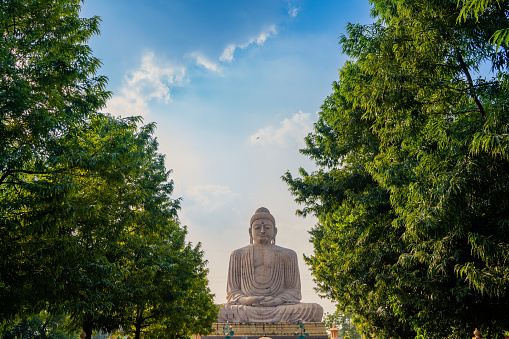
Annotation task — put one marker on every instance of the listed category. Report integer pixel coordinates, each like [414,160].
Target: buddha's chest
[263,264]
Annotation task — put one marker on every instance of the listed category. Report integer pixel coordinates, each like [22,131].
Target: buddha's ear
[250,235]
[275,233]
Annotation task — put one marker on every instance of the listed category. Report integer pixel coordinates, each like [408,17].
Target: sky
[234,86]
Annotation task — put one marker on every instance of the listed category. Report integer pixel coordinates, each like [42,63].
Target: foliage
[162,283]
[344,322]
[476,8]
[40,326]
[411,193]
[49,93]
[145,271]
[86,219]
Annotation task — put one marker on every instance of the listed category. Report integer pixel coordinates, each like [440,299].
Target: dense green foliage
[47,98]
[87,225]
[412,190]
[40,326]
[343,322]
[478,7]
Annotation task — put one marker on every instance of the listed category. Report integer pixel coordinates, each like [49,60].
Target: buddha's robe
[284,283]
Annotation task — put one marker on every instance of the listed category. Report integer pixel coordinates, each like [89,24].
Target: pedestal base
[271,330]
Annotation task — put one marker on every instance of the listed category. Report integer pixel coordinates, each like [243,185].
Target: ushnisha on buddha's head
[262,229]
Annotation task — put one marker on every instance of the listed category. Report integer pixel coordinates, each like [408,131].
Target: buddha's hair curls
[262,213]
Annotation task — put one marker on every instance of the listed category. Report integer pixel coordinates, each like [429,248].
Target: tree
[418,246]
[40,326]
[85,208]
[172,299]
[354,213]
[476,8]
[49,92]
[145,271]
[343,321]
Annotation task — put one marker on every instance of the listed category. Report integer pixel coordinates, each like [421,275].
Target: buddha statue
[264,281]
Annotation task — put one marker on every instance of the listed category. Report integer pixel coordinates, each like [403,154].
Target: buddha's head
[262,229]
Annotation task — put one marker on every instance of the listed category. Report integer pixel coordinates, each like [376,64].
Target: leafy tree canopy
[344,322]
[411,193]
[478,7]
[40,326]
[87,223]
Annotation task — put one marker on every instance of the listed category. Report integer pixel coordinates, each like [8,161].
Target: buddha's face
[263,231]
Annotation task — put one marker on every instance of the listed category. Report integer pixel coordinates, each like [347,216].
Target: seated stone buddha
[264,280]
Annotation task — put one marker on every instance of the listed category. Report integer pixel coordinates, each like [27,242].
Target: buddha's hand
[248,301]
[271,302]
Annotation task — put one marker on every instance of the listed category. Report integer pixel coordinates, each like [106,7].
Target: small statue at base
[264,280]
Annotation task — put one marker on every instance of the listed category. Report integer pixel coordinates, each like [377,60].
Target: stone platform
[273,330]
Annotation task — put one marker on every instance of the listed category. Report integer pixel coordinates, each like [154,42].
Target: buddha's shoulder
[278,249]
[241,250]
[285,251]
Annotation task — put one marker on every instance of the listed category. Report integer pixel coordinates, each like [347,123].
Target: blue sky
[234,87]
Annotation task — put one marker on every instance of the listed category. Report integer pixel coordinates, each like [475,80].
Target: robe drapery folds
[284,283]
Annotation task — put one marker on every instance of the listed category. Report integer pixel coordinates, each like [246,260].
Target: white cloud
[228,53]
[203,61]
[151,81]
[260,40]
[211,197]
[291,131]
[293,11]
[229,50]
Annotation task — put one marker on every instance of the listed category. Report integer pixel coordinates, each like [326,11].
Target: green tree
[172,298]
[40,326]
[344,322]
[478,7]
[145,270]
[48,92]
[420,248]
[87,223]
[354,242]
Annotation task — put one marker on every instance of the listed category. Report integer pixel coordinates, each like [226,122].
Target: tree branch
[4,176]
[471,86]
[103,146]
[13,183]
[11,172]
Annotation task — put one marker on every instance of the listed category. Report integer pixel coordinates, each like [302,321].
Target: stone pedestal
[271,330]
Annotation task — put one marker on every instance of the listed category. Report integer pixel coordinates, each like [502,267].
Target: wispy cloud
[152,81]
[211,197]
[290,132]
[203,61]
[228,52]
[292,10]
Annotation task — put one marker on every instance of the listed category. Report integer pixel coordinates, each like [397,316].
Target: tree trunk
[139,323]
[88,332]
